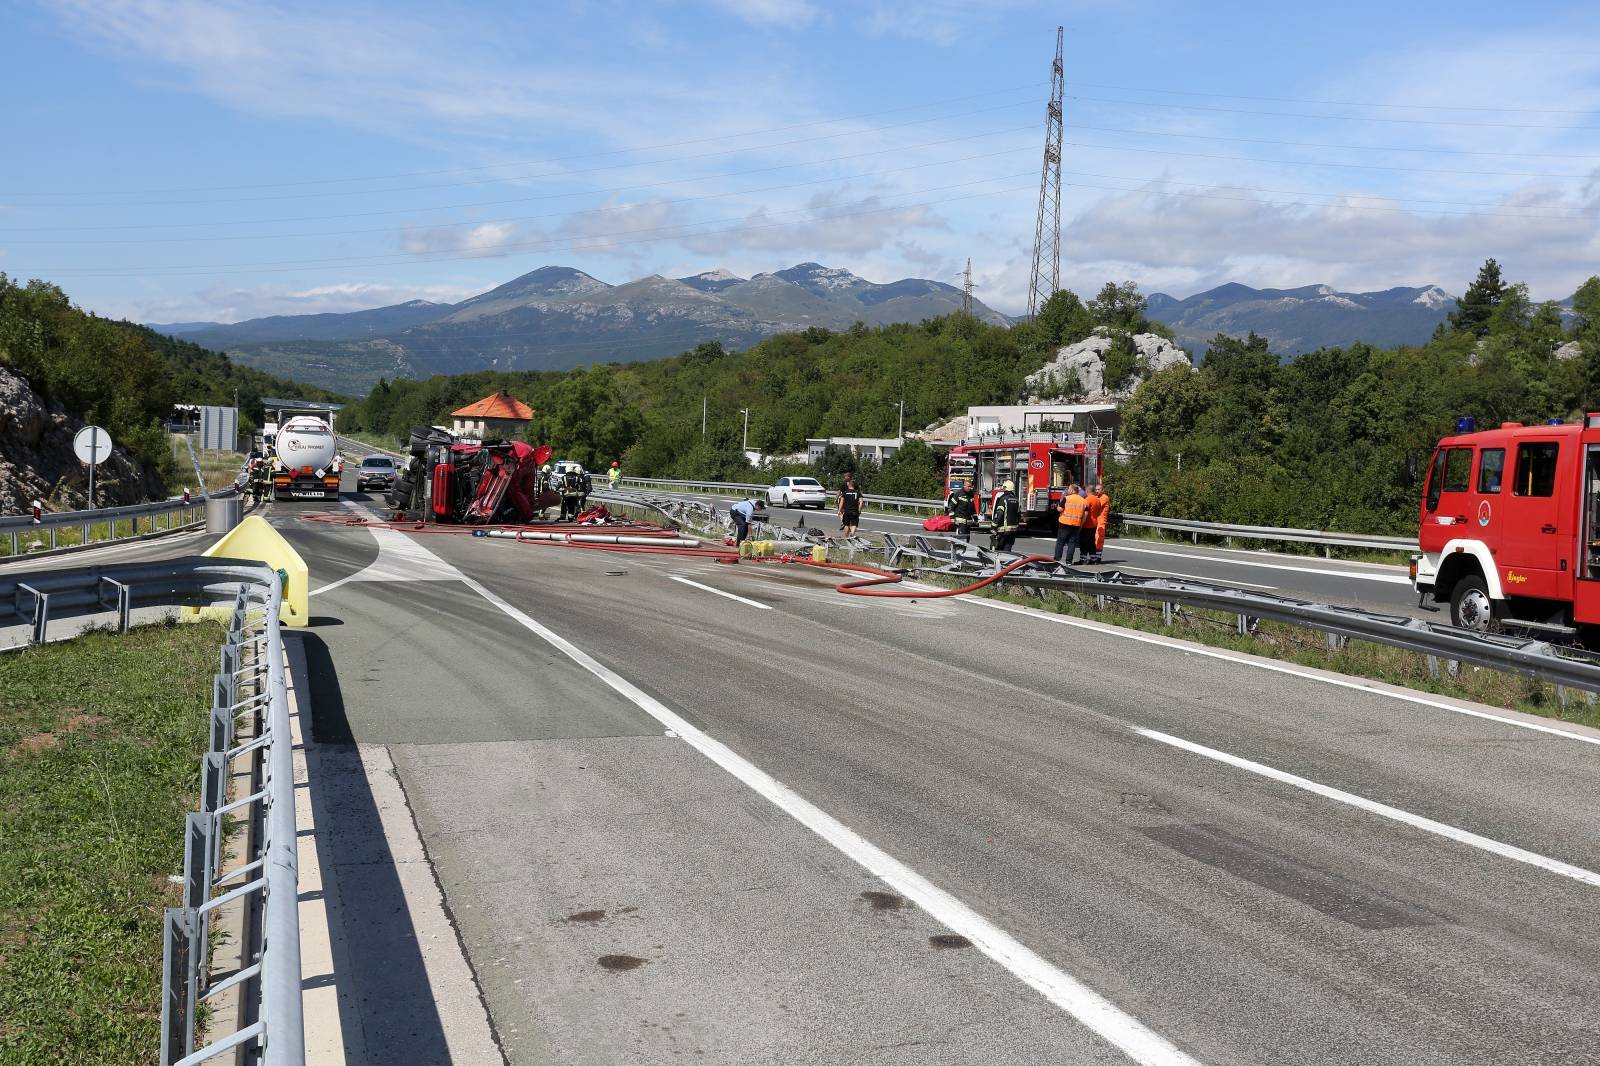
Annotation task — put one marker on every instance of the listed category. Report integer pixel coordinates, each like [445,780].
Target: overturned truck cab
[471,484]
[1510,528]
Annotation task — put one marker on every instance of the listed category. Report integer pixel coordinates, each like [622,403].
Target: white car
[798,492]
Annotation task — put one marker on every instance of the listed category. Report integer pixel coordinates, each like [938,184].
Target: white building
[877,449]
[1042,418]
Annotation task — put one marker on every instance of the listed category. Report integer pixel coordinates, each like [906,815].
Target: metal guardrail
[163,516]
[1444,646]
[1564,667]
[1197,529]
[249,718]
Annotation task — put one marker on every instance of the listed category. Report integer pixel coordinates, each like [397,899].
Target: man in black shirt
[849,507]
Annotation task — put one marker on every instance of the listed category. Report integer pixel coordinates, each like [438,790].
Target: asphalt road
[1377,586]
[682,810]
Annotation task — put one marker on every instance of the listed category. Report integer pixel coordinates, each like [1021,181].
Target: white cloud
[836,226]
[376,67]
[787,14]
[482,241]
[222,303]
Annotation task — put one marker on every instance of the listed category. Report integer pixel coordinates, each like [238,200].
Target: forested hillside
[1324,440]
[119,375]
[814,383]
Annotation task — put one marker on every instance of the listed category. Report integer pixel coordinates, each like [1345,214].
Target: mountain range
[558,317]
[1304,319]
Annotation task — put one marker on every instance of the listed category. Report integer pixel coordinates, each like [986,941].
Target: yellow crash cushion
[253,540]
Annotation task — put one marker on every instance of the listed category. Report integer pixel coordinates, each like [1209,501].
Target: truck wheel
[1470,605]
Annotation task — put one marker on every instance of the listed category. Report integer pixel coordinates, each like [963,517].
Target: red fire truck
[1041,465]
[1510,527]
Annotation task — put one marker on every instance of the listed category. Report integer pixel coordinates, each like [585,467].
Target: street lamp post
[746,412]
[902,431]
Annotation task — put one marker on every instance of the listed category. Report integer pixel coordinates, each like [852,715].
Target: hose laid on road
[642,538]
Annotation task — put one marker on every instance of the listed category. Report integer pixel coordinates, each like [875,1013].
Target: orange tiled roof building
[492,418]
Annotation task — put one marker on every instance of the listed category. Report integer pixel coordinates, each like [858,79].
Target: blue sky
[174,161]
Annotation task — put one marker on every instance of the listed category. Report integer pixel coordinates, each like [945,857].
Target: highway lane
[1372,585]
[999,755]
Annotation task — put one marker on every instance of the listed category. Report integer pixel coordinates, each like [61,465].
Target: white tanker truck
[305,462]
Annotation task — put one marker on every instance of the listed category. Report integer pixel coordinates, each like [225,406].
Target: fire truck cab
[1510,527]
[1041,465]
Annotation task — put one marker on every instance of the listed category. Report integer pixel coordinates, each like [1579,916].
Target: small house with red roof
[492,418]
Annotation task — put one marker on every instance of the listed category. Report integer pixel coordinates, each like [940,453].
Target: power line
[1316,163]
[602,191]
[541,177]
[280,266]
[1334,118]
[1338,103]
[1340,147]
[1343,207]
[1308,192]
[560,158]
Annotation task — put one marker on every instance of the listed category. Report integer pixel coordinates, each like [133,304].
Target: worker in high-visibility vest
[1069,525]
[614,475]
[1100,515]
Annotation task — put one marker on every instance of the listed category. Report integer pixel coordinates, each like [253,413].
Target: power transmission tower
[966,289]
[1046,277]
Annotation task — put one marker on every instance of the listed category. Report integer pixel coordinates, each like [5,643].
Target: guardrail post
[1247,625]
[178,973]
[41,612]
[1166,612]
[1337,642]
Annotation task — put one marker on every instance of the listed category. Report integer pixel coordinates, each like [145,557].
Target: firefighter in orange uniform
[1100,514]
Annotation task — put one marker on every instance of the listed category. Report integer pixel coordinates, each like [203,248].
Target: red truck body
[1510,526]
[1041,465]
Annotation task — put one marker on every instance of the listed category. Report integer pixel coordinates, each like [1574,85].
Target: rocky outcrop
[1569,350]
[37,462]
[1078,372]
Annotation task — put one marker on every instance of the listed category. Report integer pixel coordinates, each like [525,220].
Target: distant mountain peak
[1306,318]
[557,317]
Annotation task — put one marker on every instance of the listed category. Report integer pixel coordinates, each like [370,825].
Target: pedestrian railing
[248,727]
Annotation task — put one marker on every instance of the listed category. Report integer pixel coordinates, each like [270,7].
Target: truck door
[1586,590]
[1535,538]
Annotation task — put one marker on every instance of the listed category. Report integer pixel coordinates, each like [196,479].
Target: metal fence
[1225,531]
[249,720]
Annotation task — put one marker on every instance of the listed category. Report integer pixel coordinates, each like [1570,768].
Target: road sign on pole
[92,445]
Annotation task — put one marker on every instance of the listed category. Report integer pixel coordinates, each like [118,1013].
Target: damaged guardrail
[1564,667]
[249,719]
[1196,529]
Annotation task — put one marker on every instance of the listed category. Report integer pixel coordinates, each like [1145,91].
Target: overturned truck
[471,484]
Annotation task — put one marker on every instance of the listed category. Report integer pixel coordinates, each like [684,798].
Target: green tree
[1062,320]
[586,419]
[1475,309]
[1120,307]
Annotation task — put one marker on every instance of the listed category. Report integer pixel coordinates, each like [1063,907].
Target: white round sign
[92,445]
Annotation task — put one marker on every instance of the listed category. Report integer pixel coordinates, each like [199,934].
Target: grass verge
[1309,647]
[219,468]
[100,744]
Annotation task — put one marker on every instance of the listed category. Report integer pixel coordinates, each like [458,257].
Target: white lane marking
[1388,579]
[718,592]
[1191,577]
[1277,668]
[1417,821]
[1093,1010]
[400,558]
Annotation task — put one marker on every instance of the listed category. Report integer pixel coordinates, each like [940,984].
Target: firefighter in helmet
[1006,516]
[961,506]
[571,493]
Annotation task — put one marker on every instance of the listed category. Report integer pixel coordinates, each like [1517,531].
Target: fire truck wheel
[1470,605]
